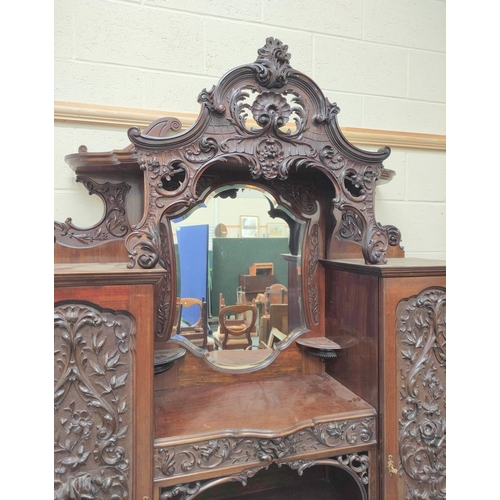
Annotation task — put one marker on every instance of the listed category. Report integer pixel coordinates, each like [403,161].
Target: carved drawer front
[357,465]
[92,402]
[421,358]
[200,458]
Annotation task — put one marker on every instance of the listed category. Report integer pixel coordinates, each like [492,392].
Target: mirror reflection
[238,276]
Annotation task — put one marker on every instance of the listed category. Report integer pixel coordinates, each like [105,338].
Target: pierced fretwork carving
[355,464]
[113,225]
[92,402]
[351,226]
[421,333]
[188,492]
[272,94]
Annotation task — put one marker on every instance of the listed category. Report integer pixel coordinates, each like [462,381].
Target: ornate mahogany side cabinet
[348,403]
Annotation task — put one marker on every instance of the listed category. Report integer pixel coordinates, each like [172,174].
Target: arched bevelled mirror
[264,128]
[257,264]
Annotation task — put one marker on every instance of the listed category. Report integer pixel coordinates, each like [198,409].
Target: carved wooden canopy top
[263,123]
[271,94]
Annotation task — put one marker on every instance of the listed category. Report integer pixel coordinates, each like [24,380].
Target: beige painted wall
[382,61]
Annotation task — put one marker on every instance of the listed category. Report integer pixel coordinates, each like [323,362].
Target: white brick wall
[382,61]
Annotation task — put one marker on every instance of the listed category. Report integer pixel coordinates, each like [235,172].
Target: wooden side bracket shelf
[320,347]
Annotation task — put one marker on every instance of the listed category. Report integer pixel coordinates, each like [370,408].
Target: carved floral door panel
[102,334]
[414,430]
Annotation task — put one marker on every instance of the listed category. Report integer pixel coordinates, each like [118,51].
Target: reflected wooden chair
[197,333]
[235,326]
[275,294]
[253,332]
[176,329]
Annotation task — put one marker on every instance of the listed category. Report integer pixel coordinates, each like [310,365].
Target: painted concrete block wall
[382,61]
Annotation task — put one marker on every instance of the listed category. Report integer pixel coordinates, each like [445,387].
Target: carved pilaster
[312,266]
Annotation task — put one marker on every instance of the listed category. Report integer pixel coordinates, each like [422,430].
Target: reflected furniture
[250,286]
[275,294]
[236,323]
[366,424]
[197,333]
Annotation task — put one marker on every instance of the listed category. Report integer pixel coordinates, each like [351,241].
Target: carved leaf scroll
[356,464]
[421,331]
[92,403]
[113,226]
[177,460]
[272,94]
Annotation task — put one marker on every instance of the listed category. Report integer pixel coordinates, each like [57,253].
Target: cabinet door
[413,460]
[103,364]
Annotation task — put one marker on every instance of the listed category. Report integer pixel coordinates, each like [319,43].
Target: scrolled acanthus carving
[271,93]
[421,334]
[92,402]
[351,226]
[179,459]
[272,66]
[311,273]
[187,492]
[114,224]
[356,464]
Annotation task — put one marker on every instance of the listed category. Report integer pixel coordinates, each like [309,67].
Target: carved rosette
[92,402]
[421,334]
[114,224]
[177,460]
[270,155]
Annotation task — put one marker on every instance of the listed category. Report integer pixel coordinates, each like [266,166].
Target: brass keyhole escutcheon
[390,466]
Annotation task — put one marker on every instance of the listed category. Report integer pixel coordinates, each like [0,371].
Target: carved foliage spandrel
[421,331]
[92,403]
[356,464]
[114,224]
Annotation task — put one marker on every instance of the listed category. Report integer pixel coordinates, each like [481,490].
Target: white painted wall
[382,61]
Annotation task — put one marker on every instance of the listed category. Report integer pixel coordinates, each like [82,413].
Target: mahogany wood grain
[137,299]
[349,283]
[352,312]
[393,291]
[194,371]
[267,408]
[341,249]
[114,251]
